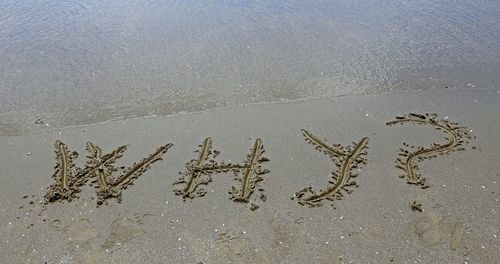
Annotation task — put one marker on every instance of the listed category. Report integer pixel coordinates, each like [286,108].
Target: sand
[455,220]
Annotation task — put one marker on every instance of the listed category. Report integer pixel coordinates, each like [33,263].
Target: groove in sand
[199,172]
[70,179]
[345,160]
[111,187]
[251,177]
[410,155]
[67,185]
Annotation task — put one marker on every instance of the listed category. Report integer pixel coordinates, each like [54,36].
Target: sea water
[75,62]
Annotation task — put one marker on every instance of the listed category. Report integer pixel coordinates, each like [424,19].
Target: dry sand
[374,224]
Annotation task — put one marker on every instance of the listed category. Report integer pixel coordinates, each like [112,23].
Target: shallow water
[68,62]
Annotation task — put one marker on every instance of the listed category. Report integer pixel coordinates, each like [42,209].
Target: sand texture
[403,177]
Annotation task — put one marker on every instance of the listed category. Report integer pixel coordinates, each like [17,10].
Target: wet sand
[383,220]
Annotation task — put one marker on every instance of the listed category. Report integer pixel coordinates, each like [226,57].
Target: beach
[147,131]
[381,219]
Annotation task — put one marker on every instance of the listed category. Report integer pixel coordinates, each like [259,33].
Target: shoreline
[33,124]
